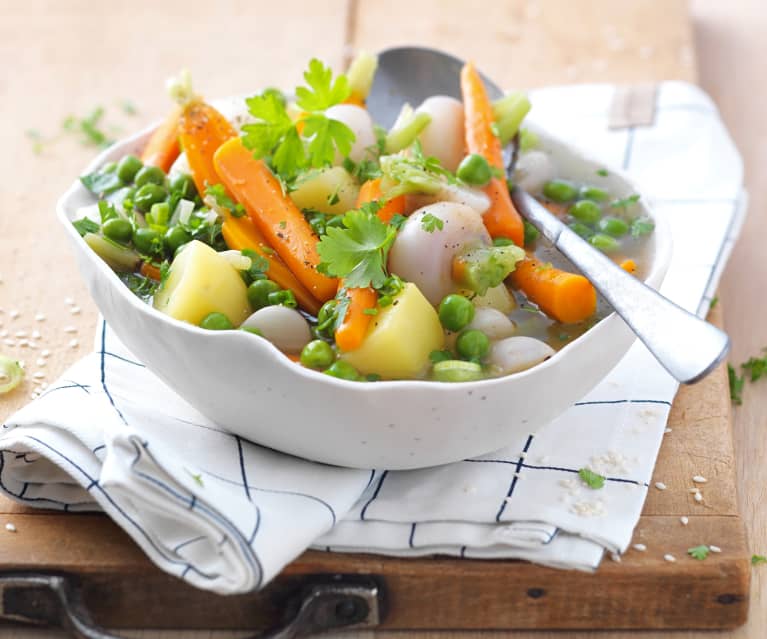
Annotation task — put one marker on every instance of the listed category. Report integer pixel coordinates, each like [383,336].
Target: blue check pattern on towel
[227,515]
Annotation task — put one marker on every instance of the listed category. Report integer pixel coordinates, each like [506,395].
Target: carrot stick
[283,226]
[202,129]
[240,233]
[565,297]
[163,148]
[350,334]
[353,328]
[150,270]
[501,219]
[371,191]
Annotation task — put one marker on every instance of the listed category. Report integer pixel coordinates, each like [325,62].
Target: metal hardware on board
[330,603]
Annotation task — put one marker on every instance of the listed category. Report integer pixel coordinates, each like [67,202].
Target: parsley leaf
[758,559]
[641,226]
[324,92]
[196,476]
[699,552]
[736,385]
[222,199]
[164,272]
[602,172]
[397,221]
[357,252]
[625,202]
[101,182]
[325,137]
[593,480]
[86,225]
[430,223]
[714,302]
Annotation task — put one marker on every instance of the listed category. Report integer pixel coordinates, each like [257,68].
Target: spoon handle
[685,345]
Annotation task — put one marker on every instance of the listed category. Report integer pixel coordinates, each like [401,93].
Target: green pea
[118,229]
[474,169]
[455,312]
[259,291]
[593,193]
[342,370]
[147,195]
[559,191]
[581,229]
[216,322]
[614,226]
[604,243]
[128,167]
[455,370]
[184,185]
[147,241]
[159,214]
[284,298]
[472,344]
[176,237]
[586,211]
[109,167]
[150,175]
[317,354]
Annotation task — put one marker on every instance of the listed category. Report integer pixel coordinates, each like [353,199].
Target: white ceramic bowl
[244,384]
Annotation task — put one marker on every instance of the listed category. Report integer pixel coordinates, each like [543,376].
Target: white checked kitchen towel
[227,515]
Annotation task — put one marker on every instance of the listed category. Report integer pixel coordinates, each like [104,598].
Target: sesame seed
[20,333]
[70,329]
[715,549]
[698,497]
[660,485]
[9,342]
[44,385]
[684,520]
[10,527]
[39,375]
[68,301]
[73,343]
[41,361]
[669,557]
[23,343]
[667,431]
[517,476]
[3,333]
[74,310]
[36,334]
[45,353]
[522,455]
[40,317]
[33,395]
[14,314]
[32,345]
[693,490]
[699,479]
[639,547]
[615,557]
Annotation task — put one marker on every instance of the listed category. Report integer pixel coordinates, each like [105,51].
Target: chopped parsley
[758,559]
[431,223]
[358,250]
[140,286]
[602,172]
[699,552]
[756,367]
[397,221]
[128,107]
[593,480]
[89,128]
[625,202]
[196,476]
[277,137]
[364,171]
[736,385]
[714,302]
[101,182]
[370,311]
[641,226]
[219,195]
[37,140]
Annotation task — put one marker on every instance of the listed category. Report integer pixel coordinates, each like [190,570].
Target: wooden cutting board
[519,44]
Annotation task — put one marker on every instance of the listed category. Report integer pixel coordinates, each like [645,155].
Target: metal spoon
[685,345]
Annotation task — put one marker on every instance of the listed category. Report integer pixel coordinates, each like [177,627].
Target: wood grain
[548,42]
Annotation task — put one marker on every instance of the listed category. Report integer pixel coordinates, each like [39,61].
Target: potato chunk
[332,191]
[201,282]
[400,338]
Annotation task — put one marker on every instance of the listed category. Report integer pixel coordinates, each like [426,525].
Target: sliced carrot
[202,129]
[274,214]
[350,334]
[163,148]
[151,271]
[629,265]
[565,297]
[240,233]
[371,191]
[501,219]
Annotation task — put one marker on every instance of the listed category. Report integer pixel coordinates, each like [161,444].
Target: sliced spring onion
[361,73]
[509,111]
[11,374]
[120,258]
[406,129]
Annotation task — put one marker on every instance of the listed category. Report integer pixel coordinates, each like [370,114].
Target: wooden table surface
[67,57]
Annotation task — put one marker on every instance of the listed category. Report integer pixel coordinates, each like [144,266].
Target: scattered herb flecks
[758,559]
[593,480]
[736,385]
